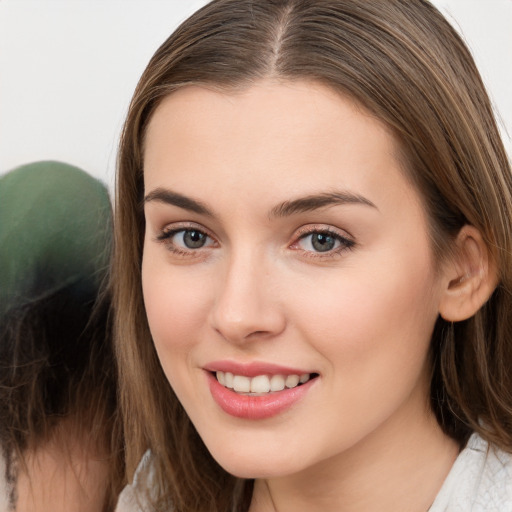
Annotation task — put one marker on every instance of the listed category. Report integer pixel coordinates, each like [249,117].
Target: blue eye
[185,239]
[323,242]
[193,239]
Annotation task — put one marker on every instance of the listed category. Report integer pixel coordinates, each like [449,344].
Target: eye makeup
[314,241]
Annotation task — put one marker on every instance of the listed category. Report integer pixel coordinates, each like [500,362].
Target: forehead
[295,137]
[273,105]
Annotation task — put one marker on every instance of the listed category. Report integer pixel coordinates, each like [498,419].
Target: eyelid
[322,228]
[170,230]
[175,227]
[347,241]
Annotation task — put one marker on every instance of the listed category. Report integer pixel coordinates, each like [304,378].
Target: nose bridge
[246,305]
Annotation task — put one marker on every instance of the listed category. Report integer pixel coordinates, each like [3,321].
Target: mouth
[261,385]
[258,391]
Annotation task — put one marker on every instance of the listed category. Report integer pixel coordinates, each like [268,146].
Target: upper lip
[253,369]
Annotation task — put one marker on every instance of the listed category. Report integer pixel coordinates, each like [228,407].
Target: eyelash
[166,236]
[345,243]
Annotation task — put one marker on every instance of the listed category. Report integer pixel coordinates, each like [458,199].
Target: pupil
[322,242]
[194,239]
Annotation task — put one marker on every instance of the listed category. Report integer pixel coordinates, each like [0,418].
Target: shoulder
[480,480]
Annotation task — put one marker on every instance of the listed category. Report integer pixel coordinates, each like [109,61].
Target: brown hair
[403,62]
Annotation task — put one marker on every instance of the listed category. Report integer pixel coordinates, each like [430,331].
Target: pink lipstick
[257,390]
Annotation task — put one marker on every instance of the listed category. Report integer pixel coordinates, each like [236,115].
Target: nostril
[257,334]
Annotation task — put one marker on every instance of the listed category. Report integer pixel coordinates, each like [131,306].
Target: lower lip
[256,407]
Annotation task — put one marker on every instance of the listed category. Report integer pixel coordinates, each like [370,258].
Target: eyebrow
[285,209]
[316,201]
[166,196]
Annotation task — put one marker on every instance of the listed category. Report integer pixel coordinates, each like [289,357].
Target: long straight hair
[404,63]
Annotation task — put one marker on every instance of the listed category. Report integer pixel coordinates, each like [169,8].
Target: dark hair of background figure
[57,367]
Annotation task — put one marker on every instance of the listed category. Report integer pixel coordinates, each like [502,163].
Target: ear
[470,277]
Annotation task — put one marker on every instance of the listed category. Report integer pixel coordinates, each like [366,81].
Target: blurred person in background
[57,372]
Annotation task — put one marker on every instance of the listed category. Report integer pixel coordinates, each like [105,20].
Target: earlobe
[470,277]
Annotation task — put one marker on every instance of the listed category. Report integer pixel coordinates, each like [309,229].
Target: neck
[400,467]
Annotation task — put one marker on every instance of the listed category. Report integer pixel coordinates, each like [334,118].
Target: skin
[361,315]
[66,473]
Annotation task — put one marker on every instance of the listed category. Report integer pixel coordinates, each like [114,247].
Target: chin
[257,470]
[255,463]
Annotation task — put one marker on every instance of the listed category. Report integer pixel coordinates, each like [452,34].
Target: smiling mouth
[261,384]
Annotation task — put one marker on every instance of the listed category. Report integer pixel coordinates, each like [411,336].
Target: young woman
[312,266]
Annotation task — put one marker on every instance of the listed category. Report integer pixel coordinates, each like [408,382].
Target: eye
[191,238]
[319,242]
[183,240]
[322,242]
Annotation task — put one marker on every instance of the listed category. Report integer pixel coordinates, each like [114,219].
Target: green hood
[55,231]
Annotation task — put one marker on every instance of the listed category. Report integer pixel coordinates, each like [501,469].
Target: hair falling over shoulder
[403,62]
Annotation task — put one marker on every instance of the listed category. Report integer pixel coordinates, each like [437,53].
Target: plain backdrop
[68,69]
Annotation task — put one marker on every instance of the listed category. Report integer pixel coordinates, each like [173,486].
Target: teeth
[241,384]
[260,384]
[228,378]
[277,383]
[292,381]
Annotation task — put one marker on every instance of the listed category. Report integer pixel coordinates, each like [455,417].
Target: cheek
[373,329]
[383,315]
[176,303]
[176,307]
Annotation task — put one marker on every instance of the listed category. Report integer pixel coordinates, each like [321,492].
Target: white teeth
[228,377]
[221,378]
[292,381]
[277,383]
[260,384]
[241,384]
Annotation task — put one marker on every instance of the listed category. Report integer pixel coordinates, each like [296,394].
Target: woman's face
[287,275]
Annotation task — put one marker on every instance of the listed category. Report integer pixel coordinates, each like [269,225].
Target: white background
[68,69]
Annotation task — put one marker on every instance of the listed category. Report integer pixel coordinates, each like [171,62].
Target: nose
[247,303]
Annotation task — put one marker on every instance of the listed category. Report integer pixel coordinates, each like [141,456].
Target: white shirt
[480,481]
